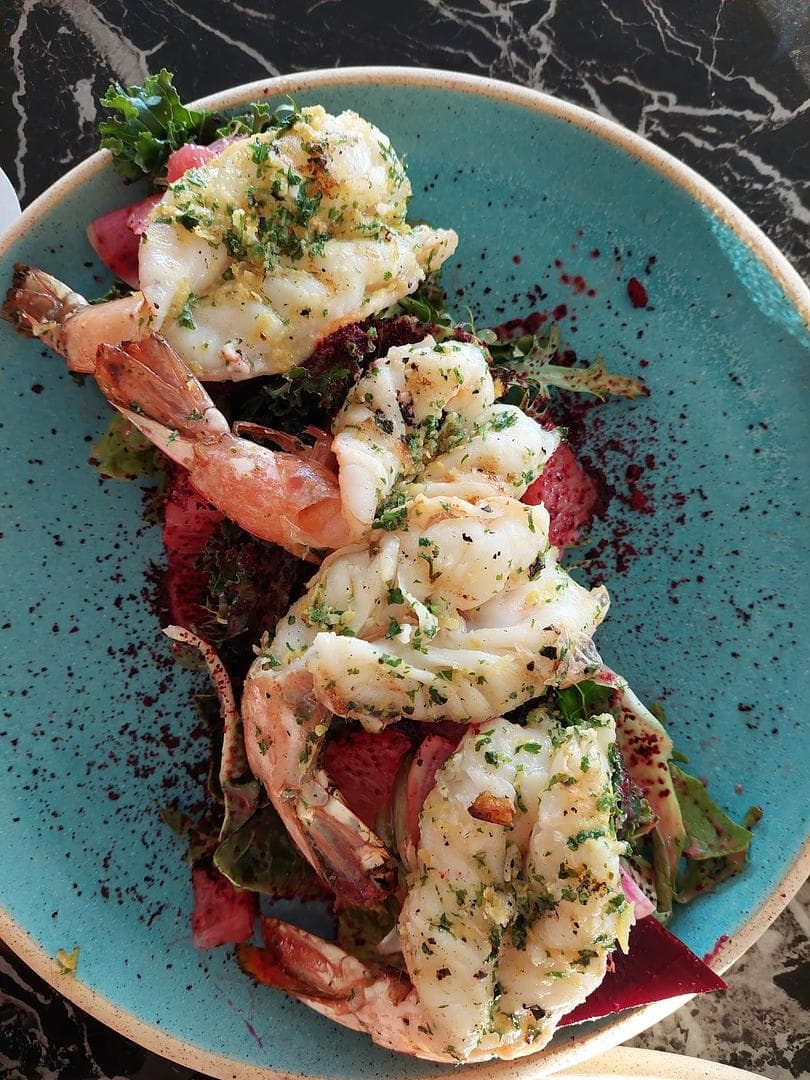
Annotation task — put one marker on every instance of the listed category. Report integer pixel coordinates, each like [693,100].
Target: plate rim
[567,1054]
[628,1062]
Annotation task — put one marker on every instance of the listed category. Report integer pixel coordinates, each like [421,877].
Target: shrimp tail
[284,728]
[352,859]
[280,497]
[37,305]
[360,995]
[312,969]
[148,378]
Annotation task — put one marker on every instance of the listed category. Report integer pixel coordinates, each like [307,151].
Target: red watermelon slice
[188,526]
[567,492]
[115,238]
[186,157]
[191,156]
[363,767]
[223,914]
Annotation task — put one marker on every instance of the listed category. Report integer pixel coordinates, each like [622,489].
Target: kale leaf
[151,122]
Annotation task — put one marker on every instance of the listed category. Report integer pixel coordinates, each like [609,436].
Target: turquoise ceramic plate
[710,601]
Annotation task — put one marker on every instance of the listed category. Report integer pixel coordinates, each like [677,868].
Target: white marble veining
[715,83]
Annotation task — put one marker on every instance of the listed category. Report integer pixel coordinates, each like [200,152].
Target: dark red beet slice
[364,767]
[567,492]
[658,966]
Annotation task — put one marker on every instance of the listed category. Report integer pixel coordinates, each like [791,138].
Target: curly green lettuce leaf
[716,847]
[530,359]
[261,857]
[259,117]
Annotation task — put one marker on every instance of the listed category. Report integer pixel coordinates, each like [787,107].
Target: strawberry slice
[567,492]
[188,526]
[223,914]
[658,966]
[363,767]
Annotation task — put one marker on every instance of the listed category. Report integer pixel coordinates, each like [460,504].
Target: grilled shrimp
[512,910]
[253,257]
[282,497]
[361,644]
[428,411]
[378,651]
[453,606]
[300,503]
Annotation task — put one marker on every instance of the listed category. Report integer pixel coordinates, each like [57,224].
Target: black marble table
[723,85]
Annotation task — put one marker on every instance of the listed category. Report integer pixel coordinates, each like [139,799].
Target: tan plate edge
[565,1055]
[632,1063]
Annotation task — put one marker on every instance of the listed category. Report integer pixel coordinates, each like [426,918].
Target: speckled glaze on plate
[703,550]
